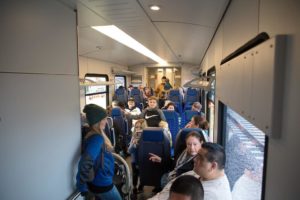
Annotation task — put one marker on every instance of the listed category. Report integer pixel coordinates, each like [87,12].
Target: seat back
[180,144]
[138,97]
[121,95]
[172,118]
[187,116]
[153,140]
[120,125]
[110,131]
[176,98]
[192,95]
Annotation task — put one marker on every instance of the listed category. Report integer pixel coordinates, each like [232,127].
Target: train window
[96,94]
[120,81]
[245,148]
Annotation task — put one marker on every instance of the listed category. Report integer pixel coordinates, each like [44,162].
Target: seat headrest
[115,112]
[153,134]
[170,113]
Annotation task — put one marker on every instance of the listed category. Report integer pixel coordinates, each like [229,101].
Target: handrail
[74,196]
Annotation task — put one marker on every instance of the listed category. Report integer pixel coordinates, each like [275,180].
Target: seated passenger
[132,108]
[170,106]
[187,187]
[209,167]
[166,129]
[185,161]
[152,114]
[132,149]
[195,122]
[197,107]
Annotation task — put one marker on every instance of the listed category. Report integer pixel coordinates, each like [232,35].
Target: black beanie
[94,113]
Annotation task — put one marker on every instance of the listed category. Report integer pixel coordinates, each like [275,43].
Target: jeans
[112,194]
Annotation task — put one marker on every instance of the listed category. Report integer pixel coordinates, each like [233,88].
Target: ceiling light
[155,7]
[120,36]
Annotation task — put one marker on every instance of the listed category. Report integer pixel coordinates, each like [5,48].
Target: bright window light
[120,36]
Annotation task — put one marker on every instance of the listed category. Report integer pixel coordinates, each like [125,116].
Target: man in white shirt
[209,167]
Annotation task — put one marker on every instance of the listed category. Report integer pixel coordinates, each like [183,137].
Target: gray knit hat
[94,113]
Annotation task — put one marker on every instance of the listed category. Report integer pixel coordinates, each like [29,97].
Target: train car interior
[116,99]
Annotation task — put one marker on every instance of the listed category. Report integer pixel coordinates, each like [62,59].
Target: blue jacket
[93,150]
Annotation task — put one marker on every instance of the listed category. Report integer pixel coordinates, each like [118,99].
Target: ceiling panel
[179,32]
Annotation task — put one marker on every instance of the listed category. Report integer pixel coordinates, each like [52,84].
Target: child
[132,149]
[152,114]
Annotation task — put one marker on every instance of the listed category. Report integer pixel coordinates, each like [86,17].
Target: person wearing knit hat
[96,166]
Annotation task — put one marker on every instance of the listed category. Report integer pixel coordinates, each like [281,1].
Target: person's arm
[162,116]
[86,164]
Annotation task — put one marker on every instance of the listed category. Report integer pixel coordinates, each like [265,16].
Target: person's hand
[154,158]
[188,125]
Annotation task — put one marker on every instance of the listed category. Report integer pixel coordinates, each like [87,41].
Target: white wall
[89,65]
[242,22]
[39,110]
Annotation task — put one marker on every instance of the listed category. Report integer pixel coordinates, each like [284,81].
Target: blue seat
[180,144]
[121,95]
[110,131]
[192,95]
[187,116]
[138,97]
[153,140]
[172,118]
[120,125]
[176,98]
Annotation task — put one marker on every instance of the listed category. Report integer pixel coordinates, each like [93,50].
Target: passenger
[161,93]
[132,149]
[132,109]
[170,106]
[96,166]
[204,125]
[187,187]
[195,122]
[197,106]
[166,130]
[209,167]
[185,161]
[161,87]
[168,85]
[152,114]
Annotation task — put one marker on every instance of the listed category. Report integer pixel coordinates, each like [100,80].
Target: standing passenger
[96,166]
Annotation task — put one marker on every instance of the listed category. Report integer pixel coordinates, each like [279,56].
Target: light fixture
[203,82]
[155,7]
[120,36]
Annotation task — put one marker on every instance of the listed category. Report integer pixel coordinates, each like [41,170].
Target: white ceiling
[180,32]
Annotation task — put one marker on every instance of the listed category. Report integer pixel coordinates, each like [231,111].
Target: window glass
[245,152]
[96,94]
[120,81]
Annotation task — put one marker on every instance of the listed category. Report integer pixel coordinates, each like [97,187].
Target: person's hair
[215,153]
[204,125]
[170,104]
[121,105]
[163,124]
[143,123]
[164,77]
[197,119]
[197,105]
[188,185]
[107,143]
[195,134]
[152,98]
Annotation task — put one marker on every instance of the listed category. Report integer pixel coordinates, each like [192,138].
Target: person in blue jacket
[96,165]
